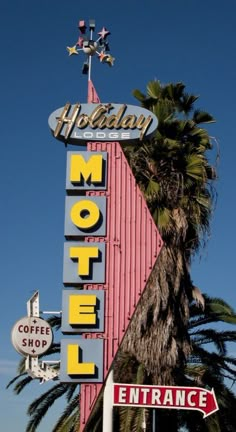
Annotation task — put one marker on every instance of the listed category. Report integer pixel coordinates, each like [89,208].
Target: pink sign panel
[133,244]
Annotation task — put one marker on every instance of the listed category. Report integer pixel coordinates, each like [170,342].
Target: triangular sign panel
[133,244]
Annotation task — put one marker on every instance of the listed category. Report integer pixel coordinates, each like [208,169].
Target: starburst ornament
[90,47]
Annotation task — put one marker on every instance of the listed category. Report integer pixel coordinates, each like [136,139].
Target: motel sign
[111,246]
[84,263]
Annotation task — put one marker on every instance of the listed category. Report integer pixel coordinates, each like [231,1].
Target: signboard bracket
[35,369]
[33,305]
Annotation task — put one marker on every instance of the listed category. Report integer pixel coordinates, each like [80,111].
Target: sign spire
[91,47]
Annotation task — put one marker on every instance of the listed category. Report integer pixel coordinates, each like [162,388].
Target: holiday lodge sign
[111,241]
[105,122]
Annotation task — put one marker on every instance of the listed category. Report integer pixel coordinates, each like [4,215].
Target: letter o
[100,135]
[88,134]
[92,214]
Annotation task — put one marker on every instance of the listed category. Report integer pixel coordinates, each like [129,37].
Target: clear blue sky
[171,40]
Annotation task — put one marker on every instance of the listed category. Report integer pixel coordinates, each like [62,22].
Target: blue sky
[169,40]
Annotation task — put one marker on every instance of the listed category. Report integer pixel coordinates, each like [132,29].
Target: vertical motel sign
[84,265]
[111,242]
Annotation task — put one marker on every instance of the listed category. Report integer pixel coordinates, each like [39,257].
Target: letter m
[89,171]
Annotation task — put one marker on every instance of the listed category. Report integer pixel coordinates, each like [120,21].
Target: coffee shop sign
[106,122]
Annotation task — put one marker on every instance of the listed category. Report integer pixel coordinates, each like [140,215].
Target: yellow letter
[88,169]
[85,214]
[84,254]
[82,309]
[74,367]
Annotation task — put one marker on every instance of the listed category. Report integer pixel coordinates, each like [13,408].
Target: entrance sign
[102,122]
[191,398]
[31,336]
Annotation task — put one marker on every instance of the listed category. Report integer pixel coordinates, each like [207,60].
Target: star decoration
[72,50]
[82,26]
[109,59]
[91,47]
[102,56]
[80,42]
[104,33]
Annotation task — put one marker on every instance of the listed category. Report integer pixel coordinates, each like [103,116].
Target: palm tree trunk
[157,335]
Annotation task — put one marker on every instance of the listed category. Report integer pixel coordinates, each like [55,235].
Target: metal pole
[154,420]
[107,425]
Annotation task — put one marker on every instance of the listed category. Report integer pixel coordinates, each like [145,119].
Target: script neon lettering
[63,119]
[100,118]
[97,118]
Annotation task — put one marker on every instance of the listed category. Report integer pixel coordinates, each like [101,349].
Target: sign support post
[107,425]
[154,420]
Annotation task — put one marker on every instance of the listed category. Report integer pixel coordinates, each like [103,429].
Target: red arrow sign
[192,398]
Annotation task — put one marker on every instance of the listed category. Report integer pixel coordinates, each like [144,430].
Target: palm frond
[154,89]
[41,405]
[202,117]
[55,322]
[22,376]
[69,418]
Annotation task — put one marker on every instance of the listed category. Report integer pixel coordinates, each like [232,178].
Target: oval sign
[31,336]
[102,122]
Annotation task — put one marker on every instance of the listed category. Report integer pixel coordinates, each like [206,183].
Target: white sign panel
[31,336]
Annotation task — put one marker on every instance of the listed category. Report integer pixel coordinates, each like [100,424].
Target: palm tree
[176,178]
